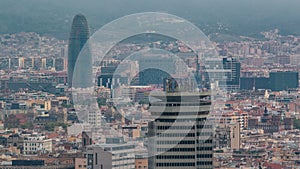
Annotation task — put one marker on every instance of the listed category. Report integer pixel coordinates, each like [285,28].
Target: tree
[296,123]
[51,126]
[144,102]
[27,126]
[11,121]
[101,101]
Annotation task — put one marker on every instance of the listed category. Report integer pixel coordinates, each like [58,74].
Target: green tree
[101,101]
[296,123]
[27,125]
[51,126]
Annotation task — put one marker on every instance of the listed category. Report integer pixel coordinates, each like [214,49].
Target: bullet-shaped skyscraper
[78,38]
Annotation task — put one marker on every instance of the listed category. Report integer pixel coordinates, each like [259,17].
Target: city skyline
[150,89]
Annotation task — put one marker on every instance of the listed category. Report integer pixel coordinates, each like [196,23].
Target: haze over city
[131,84]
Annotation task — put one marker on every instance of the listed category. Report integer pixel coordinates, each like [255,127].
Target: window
[96,158]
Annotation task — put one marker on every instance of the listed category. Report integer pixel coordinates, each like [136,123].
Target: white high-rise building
[180,136]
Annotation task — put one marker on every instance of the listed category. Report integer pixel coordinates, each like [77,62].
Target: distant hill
[233,17]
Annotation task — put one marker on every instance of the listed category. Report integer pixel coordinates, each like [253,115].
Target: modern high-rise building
[180,136]
[78,37]
[277,81]
[254,83]
[283,80]
[223,72]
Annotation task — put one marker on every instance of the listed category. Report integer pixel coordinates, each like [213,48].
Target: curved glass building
[78,38]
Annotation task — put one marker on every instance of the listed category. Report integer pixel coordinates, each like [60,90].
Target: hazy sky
[239,16]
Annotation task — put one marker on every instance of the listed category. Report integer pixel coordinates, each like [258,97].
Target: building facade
[113,156]
[78,38]
[180,137]
[33,144]
[223,72]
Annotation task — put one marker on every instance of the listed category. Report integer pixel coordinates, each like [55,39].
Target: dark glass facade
[250,83]
[277,81]
[78,37]
[283,80]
